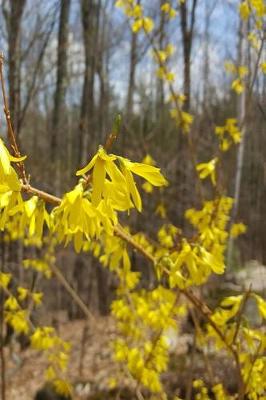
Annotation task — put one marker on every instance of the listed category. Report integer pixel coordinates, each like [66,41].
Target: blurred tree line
[72,65]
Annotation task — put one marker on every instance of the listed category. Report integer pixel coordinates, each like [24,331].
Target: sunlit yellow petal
[98,181]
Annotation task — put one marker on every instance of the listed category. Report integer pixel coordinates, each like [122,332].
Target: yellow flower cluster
[211,222]
[182,119]
[134,12]
[255,8]
[208,169]
[15,316]
[249,342]
[143,319]
[168,10]
[163,55]
[240,72]
[217,390]
[8,177]
[83,214]
[228,134]
[19,218]
[57,351]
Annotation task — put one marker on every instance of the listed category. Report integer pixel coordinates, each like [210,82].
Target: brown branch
[114,133]
[47,197]
[10,130]
[206,313]
[259,348]
[73,293]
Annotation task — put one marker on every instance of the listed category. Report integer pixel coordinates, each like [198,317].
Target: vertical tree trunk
[86,125]
[206,66]
[132,73]
[160,82]
[13,16]
[61,80]
[183,173]
[241,104]
[102,70]
[187,29]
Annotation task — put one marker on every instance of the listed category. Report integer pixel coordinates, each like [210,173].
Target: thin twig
[240,313]
[10,130]
[206,313]
[73,293]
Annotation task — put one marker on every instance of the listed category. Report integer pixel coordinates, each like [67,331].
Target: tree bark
[160,82]
[132,73]
[88,12]
[241,111]
[187,29]
[61,78]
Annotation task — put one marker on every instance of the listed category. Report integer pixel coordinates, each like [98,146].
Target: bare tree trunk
[241,120]
[60,91]
[160,82]
[13,16]
[102,70]
[86,125]
[183,174]
[206,65]
[187,29]
[132,73]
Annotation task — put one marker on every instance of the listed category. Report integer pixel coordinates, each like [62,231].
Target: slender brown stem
[206,313]
[73,293]
[10,130]
[240,313]
[47,197]
[259,348]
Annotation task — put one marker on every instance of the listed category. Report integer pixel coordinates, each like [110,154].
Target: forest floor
[92,366]
[91,362]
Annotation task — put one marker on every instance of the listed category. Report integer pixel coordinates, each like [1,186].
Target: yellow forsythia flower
[244,10]
[167,9]
[4,279]
[208,169]
[238,86]
[11,304]
[238,229]
[62,387]
[263,67]
[261,305]
[8,176]
[22,293]
[161,210]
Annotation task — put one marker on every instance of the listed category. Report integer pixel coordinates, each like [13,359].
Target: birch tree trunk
[241,114]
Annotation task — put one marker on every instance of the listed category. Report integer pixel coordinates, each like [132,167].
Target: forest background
[72,66]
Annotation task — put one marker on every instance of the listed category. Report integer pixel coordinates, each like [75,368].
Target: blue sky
[222,44]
